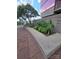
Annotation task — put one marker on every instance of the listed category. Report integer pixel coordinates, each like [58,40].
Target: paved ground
[56,55]
[27,47]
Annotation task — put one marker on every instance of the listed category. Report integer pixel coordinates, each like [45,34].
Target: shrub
[19,23]
[45,27]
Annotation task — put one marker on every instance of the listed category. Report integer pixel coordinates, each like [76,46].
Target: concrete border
[48,45]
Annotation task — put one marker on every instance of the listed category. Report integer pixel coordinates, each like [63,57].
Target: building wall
[47,6]
[56,20]
[48,12]
[49,15]
[57,4]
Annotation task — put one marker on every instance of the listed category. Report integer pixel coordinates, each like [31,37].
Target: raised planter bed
[45,27]
[46,34]
[48,44]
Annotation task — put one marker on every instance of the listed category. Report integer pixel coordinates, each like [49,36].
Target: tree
[26,11]
[20,10]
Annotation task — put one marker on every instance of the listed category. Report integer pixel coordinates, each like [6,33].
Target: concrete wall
[56,19]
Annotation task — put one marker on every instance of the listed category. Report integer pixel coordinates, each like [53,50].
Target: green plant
[26,11]
[45,27]
[19,23]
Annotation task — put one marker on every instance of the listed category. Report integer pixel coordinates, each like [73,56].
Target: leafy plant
[19,23]
[26,11]
[45,27]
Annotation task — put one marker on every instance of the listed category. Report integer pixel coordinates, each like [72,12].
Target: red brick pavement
[56,55]
[27,47]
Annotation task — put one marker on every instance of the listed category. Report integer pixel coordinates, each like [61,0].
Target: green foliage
[27,11]
[30,25]
[45,27]
[19,23]
[22,9]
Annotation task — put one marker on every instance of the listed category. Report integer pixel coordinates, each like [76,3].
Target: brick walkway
[56,55]
[27,47]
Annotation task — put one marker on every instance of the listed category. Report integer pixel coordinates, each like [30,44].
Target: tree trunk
[29,20]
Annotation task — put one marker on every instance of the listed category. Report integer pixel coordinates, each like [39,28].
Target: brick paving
[56,55]
[27,47]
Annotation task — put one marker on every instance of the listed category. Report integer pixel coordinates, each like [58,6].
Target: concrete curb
[48,45]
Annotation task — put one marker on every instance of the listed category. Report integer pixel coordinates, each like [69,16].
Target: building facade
[51,10]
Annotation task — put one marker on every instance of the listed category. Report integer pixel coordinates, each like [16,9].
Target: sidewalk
[27,48]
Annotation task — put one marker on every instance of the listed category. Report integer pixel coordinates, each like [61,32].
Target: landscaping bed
[45,27]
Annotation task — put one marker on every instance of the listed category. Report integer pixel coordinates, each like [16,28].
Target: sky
[34,3]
